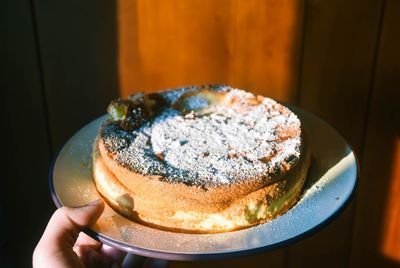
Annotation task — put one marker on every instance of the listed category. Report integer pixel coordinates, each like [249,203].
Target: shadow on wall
[59,72]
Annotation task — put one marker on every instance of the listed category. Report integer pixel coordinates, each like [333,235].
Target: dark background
[61,62]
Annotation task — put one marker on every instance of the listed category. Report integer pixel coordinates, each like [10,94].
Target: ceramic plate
[329,187]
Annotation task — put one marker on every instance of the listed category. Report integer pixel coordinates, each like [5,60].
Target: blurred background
[61,62]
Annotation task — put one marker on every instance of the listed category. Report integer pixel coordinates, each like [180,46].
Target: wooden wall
[61,62]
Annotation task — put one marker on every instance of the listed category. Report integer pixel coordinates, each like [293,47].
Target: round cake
[200,159]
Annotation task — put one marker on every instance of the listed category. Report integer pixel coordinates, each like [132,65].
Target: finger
[113,253]
[85,240]
[55,245]
[93,258]
[66,223]
[84,243]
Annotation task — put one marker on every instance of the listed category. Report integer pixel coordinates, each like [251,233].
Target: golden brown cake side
[183,208]
[201,159]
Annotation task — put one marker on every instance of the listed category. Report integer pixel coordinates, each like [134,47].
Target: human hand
[64,245]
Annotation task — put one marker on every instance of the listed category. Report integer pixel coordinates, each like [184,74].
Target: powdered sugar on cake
[241,137]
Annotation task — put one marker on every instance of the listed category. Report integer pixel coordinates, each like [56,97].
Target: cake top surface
[203,136]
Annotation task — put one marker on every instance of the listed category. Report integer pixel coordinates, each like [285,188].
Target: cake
[200,159]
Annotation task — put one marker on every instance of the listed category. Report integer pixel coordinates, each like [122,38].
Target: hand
[64,245]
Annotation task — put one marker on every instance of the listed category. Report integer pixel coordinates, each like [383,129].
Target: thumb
[66,224]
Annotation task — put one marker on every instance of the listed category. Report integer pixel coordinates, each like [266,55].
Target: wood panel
[253,45]
[24,196]
[88,50]
[78,44]
[265,46]
[377,237]
[339,46]
[175,40]
[249,44]
[338,57]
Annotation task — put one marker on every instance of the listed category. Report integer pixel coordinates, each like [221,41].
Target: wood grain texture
[339,46]
[390,235]
[265,46]
[24,196]
[62,62]
[376,236]
[253,45]
[338,57]
[78,44]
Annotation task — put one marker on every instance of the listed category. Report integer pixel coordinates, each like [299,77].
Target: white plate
[328,189]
